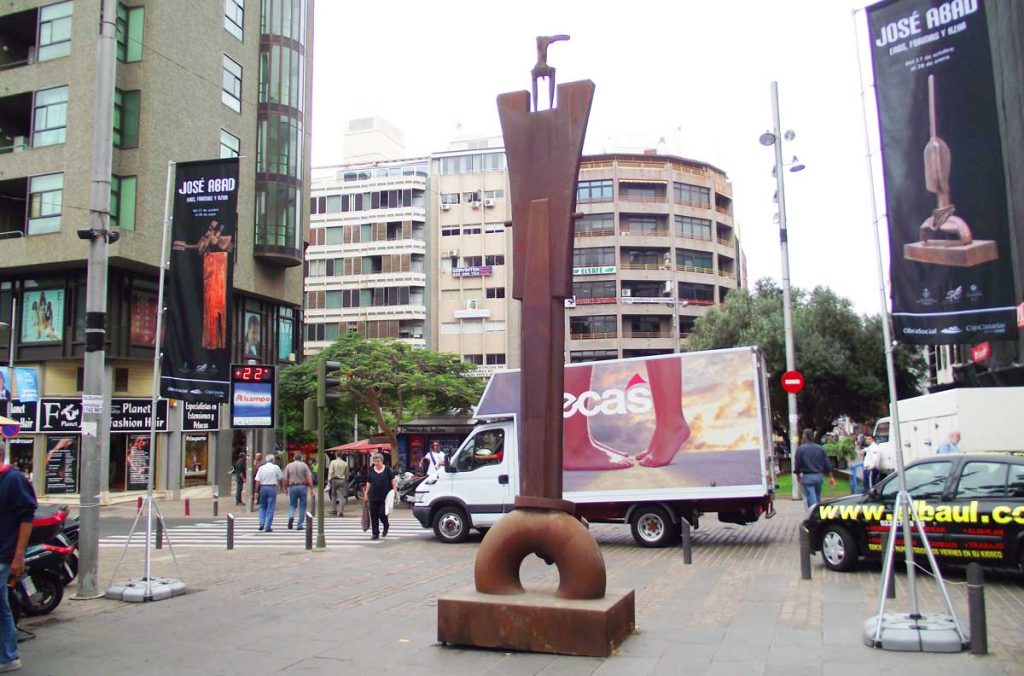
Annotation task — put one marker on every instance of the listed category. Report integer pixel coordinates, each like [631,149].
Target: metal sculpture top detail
[542,69]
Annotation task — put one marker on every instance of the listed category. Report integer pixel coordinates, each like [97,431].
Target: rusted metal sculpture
[945,238]
[543,150]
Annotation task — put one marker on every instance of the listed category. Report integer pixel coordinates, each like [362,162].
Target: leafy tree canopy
[385,381]
[839,353]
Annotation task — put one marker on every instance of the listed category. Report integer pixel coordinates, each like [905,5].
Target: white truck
[986,418]
[646,442]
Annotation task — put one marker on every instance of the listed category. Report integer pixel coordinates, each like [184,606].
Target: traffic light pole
[327,380]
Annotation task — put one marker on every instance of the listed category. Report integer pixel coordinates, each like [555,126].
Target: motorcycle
[53,526]
[41,589]
[407,487]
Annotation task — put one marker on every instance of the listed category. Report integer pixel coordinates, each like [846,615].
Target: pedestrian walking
[434,460]
[337,482]
[267,479]
[872,460]
[380,481]
[256,463]
[810,465]
[950,445]
[238,469]
[17,509]
[299,481]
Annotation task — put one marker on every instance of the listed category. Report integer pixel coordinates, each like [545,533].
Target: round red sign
[792,381]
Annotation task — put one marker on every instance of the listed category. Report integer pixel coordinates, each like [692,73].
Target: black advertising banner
[61,464]
[201,417]
[137,462]
[945,189]
[25,413]
[126,415]
[197,345]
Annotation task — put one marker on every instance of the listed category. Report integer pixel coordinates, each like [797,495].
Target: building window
[496,360]
[129,33]
[50,118]
[229,144]
[450,198]
[692,195]
[470,164]
[605,289]
[234,17]
[122,201]
[596,326]
[46,195]
[701,260]
[477,359]
[495,260]
[641,225]
[594,191]
[604,255]
[232,84]
[472,261]
[702,294]
[126,118]
[694,228]
[496,292]
[449,232]
[54,31]
[595,225]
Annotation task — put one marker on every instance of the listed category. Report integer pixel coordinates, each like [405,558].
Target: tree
[388,381]
[839,353]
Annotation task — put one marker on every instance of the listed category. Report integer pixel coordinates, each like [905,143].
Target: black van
[970,504]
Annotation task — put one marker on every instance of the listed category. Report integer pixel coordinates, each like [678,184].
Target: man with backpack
[17,508]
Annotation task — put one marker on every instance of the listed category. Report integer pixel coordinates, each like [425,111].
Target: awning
[361,446]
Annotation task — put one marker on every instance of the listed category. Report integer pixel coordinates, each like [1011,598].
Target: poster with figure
[945,186]
[197,343]
[137,462]
[253,332]
[143,318]
[61,464]
[42,316]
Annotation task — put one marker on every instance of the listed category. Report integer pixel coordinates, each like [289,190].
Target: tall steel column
[94,409]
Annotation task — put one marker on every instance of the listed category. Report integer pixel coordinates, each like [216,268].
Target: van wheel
[450,525]
[652,527]
[838,549]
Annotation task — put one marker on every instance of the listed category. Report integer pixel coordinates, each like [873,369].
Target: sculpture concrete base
[536,622]
[959,255]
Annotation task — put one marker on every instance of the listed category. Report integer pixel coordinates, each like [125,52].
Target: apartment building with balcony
[206,80]
[471,309]
[655,247]
[366,265]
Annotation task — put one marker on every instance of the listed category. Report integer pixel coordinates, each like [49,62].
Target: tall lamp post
[775,138]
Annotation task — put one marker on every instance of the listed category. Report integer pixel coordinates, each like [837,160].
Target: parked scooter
[53,526]
[42,586]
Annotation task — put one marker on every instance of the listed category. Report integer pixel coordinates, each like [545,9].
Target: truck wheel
[450,525]
[838,549]
[652,527]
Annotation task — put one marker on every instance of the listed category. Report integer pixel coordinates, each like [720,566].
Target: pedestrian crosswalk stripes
[213,534]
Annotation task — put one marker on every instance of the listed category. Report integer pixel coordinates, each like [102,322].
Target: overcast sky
[695,73]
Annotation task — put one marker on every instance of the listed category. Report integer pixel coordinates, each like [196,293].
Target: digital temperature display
[252,373]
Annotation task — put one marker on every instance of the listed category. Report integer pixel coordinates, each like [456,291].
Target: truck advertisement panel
[658,423]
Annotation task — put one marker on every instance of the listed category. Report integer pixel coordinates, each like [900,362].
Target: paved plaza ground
[741,608]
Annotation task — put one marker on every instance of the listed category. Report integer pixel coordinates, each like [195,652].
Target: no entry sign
[792,381]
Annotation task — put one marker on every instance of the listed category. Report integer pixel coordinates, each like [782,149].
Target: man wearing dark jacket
[238,469]
[17,508]
[810,465]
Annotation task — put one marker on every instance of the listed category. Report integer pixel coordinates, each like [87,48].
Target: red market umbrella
[361,446]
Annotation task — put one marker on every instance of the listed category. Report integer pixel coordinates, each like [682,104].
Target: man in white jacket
[872,458]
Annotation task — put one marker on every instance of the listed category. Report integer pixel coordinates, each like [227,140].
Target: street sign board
[252,395]
[792,382]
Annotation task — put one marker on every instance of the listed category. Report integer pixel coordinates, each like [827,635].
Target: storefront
[199,421]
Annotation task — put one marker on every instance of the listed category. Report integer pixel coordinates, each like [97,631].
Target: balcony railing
[723,210]
[660,232]
[626,197]
[642,266]
[725,241]
[593,336]
[648,334]
[698,301]
[605,232]
[593,200]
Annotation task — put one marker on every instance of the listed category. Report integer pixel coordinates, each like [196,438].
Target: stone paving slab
[740,609]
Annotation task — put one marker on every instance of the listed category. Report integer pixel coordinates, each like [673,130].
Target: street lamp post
[774,138]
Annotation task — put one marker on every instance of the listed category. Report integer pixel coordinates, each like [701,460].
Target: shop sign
[473,271]
[594,270]
[25,413]
[133,415]
[61,464]
[60,415]
[201,416]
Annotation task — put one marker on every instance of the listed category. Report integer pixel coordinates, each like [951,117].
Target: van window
[486,448]
[924,481]
[982,480]
[1015,482]
[881,432]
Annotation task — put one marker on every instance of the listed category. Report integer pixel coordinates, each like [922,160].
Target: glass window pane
[982,480]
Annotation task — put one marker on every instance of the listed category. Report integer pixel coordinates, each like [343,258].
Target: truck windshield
[882,432]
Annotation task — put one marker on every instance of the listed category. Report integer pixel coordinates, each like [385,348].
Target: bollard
[186,507]
[231,530]
[687,537]
[138,504]
[976,609]
[309,530]
[159,533]
[805,554]
[216,498]
[890,585]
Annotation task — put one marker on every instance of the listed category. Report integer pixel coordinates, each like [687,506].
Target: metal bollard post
[138,504]
[216,499]
[976,609]
[687,537]
[231,530]
[159,533]
[805,554]
[309,530]
[891,583]
[186,507]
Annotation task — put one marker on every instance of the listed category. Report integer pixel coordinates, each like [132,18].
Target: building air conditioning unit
[626,293]
[475,204]
[668,288]
[489,203]
[445,206]
[452,253]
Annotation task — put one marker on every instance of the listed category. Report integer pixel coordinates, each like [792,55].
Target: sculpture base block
[536,622]
[961,255]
